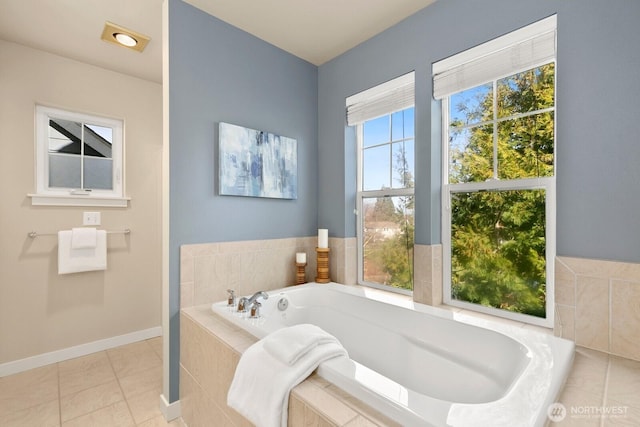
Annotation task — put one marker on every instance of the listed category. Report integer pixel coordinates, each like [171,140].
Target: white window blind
[512,53]
[386,98]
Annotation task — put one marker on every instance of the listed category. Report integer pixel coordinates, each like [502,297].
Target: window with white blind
[384,121]
[498,198]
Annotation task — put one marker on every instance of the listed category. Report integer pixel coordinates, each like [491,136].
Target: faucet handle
[231,301]
[242,305]
[255,310]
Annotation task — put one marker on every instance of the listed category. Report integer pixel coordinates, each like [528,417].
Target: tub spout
[244,303]
[255,297]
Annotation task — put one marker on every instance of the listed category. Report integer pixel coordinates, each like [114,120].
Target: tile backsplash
[598,304]
[207,270]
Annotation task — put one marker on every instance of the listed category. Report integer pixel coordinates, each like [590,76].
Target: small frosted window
[78,155]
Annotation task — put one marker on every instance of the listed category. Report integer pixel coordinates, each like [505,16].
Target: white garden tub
[420,365]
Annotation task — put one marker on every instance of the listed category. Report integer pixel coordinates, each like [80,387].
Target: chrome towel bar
[34,234]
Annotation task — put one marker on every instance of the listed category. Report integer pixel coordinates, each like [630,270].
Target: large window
[385,188]
[79,159]
[499,187]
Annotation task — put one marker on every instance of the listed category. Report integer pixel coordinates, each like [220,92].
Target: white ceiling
[315,30]
[72,28]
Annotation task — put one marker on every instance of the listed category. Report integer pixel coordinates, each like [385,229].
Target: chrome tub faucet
[244,304]
[260,294]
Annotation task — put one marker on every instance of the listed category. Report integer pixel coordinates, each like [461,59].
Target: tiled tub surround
[598,305]
[207,270]
[210,349]
[343,260]
[430,369]
[427,274]
[40,397]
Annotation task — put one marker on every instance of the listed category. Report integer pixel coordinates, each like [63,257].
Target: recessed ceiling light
[125,39]
[121,36]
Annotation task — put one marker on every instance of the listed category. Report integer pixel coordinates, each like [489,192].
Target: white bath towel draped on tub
[270,368]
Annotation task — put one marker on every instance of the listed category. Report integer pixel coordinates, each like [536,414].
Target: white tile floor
[121,387]
[113,388]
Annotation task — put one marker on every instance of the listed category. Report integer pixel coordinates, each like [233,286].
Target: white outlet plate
[91,218]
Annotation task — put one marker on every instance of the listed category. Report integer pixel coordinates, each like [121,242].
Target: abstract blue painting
[257,164]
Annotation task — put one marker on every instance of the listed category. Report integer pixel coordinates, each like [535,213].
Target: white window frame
[543,33]
[360,196]
[48,196]
[546,183]
[382,100]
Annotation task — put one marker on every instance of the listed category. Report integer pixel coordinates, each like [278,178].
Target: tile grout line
[605,392]
[610,319]
[83,390]
[575,306]
[124,396]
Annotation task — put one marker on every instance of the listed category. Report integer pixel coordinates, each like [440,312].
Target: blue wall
[598,106]
[220,73]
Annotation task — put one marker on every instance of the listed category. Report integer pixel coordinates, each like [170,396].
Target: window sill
[67,200]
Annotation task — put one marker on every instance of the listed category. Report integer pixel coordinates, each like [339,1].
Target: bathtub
[421,365]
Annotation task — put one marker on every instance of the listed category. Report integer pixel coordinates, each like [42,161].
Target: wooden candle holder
[322,268]
[300,273]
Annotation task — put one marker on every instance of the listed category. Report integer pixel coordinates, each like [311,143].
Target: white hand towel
[290,344]
[79,260]
[83,238]
[262,383]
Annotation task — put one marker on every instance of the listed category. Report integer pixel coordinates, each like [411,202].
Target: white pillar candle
[301,258]
[323,238]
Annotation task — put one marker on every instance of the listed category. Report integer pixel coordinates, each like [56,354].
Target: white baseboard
[171,411]
[25,364]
